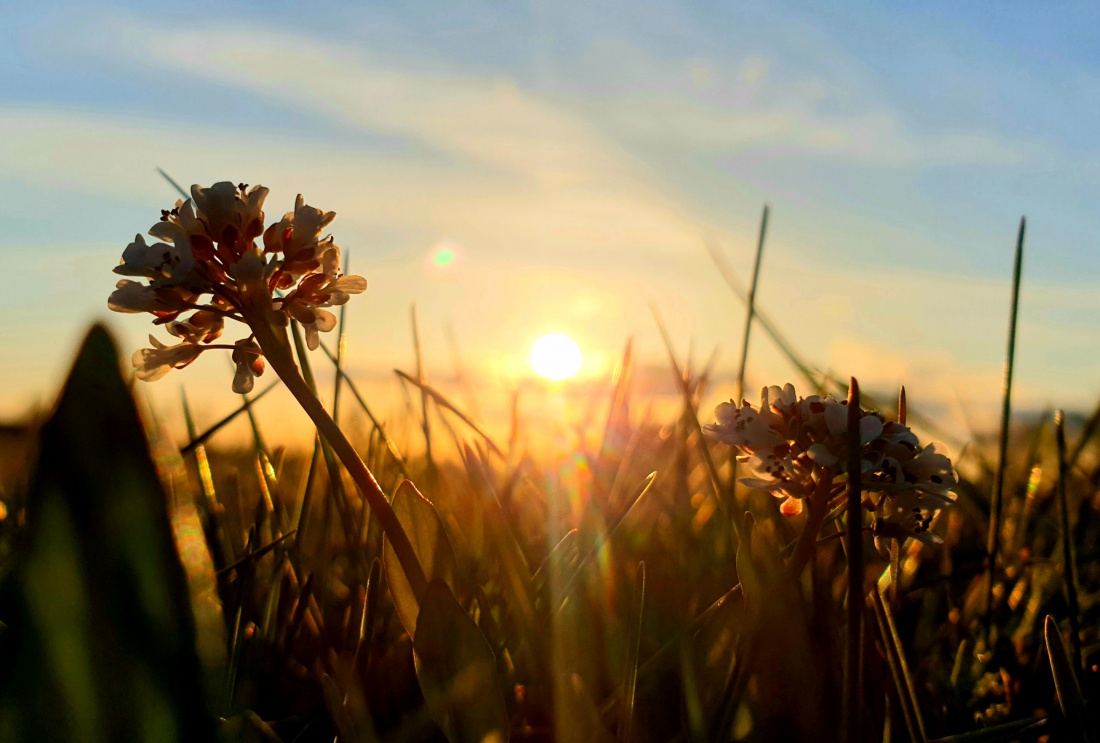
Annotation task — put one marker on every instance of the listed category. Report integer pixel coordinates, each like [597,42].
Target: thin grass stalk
[993,542]
[208,503]
[601,541]
[895,668]
[693,415]
[203,437]
[750,303]
[425,424]
[390,443]
[909,688]
[764,321]
[630,672]
[1069,564]
[853,671]
[461,374]
[428,391]
[173,183]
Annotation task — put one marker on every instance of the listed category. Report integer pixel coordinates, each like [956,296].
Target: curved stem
[277,351]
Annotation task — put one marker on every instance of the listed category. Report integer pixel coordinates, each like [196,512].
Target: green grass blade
[203,437]
[399,460]
[172,181]
[750,303]
[995,504]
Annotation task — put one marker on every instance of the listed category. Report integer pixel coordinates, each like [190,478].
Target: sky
[576,158]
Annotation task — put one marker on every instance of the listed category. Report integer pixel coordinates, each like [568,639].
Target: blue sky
[580,154]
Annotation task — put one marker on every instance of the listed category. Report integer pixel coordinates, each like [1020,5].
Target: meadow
[420,580]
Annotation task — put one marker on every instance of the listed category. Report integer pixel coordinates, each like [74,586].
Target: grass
[627,591]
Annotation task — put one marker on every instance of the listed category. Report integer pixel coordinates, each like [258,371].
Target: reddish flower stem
[817,508]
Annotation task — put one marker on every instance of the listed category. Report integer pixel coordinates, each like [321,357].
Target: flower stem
[817,508]
[277,351]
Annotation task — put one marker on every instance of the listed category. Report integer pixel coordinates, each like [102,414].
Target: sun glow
[556,356]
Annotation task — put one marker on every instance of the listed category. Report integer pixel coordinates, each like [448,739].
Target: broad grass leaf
[457,671]
[429,541]
[100,642]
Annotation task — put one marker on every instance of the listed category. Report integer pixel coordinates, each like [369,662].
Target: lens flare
[556,356]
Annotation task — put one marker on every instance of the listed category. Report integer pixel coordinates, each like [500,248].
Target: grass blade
[908,688]
[900,681]
[425,424]
[630,672]
[429,391]
[1069,564]
[1070,699]
[203,437]
[692,413]
[172,181]
[993,541]
[390,443]
[750,303]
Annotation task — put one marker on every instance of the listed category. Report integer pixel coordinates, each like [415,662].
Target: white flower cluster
[208,263]
[793,445]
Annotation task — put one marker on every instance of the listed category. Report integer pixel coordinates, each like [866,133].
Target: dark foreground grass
[610,589]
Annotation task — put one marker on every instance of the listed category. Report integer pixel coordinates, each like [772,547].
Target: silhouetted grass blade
[100,642]
[1070,700]
[630,671]
[457,671]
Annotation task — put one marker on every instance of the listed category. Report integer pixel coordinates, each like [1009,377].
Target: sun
[556,356]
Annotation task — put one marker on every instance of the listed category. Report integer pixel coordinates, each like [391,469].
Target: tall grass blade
[633,647]
[909,689]
[391,445]
[995,504]
[425,424]
[750,304]
[208,504]
[1070,699]
[812,378]
[1069,564]
[600,542]
[203,437]
[896,673]
[693,416]
[172,181]
[440,399]
[336,480]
